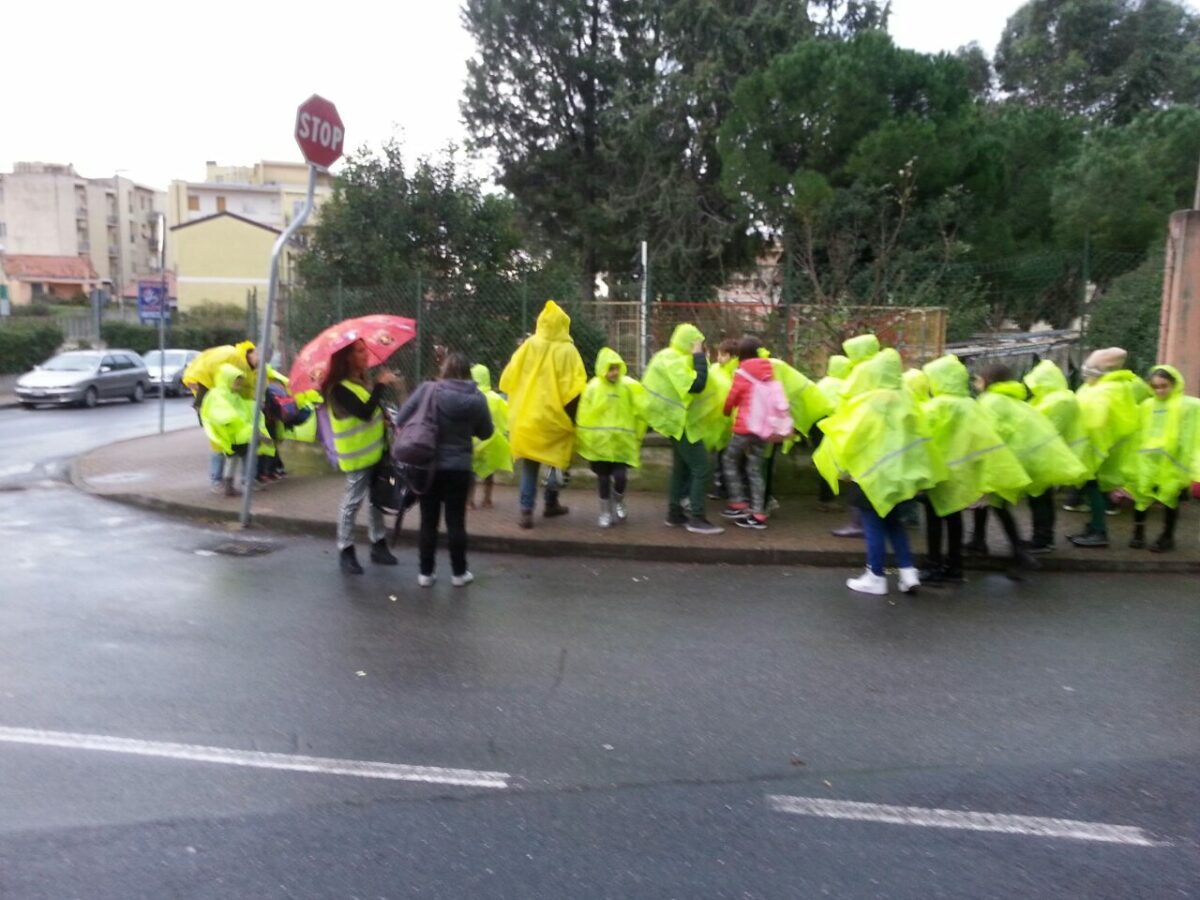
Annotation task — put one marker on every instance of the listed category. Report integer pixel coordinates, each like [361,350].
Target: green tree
[1127,315]
[854,153]
[1108,60]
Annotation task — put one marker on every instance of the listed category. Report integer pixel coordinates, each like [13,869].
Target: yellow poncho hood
[878,438]
[482,377]
[610,426]
[977,461]
[860,348]
[917,385]
[1168,457]
[543,376]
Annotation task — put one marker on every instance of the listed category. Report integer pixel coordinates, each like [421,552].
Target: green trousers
[690,470]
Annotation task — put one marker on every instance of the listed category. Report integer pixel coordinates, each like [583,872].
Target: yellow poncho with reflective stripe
[1043,455]
[724,372]
[1110,419]
[1168,454]
[977,461]
[609,426]
[1058,403]
[227,416]
[878,439]
[493,454]
[543,376]
[667,380]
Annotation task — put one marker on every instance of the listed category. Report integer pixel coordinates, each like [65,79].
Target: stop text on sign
[324,132]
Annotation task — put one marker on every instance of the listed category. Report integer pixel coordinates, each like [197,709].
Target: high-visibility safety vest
[357,444]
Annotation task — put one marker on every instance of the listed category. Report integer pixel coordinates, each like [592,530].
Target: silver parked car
[84,377]
[168,376]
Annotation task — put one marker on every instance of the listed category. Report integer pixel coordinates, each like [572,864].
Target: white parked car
[169,375]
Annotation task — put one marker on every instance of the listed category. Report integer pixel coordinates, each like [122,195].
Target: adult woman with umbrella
[336,362]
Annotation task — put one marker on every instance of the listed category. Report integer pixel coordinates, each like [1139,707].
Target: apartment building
[50,210]
[222,229]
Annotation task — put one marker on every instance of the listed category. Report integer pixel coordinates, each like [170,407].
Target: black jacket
[462,414]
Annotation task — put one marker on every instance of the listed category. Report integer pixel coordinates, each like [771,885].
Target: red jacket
[739,394]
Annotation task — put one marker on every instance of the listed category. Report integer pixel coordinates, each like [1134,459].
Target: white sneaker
[426,580]
[619,509]
[910,580]
[605,520]
[868,583]
[462,580]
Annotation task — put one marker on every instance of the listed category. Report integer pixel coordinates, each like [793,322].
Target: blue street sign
[152,301]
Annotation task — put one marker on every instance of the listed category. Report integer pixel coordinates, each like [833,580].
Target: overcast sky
[155,89]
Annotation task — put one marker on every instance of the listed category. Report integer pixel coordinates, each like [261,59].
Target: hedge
[25,344]
[141,338]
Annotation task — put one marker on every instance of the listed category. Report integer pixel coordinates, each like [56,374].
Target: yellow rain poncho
[1168,456]
[1110,420]
[1053,399]
[670,409]
[1043,455]
[493,454]
[543,376]
[724,372]
[227,416]
[306,431]
[609,426]
[878,438]
[836,370]
[203,369]
[977,460]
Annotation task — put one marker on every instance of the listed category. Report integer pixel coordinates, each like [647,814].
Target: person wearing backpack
[357,426]
[461,415]
[762,415]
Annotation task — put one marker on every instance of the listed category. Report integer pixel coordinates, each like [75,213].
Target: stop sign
[319,132]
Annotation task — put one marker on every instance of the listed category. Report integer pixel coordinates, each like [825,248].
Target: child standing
[878,439]
[1168,457]
[493,454]
[746,447]
[1057,402]
[228,417]
[608,432]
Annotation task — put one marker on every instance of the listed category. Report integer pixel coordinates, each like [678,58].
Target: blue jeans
[216,463]
[529,478]
[881,531]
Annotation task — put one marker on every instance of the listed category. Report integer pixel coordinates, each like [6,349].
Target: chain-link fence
[488,322]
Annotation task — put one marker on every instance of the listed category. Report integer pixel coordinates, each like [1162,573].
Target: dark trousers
[689,476]
[1170,517]
[953,523]
[610,476]
[449,489]
[1007,522]
[1098,506]
[1041,509]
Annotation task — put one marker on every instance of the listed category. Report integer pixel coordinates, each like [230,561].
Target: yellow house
[221,257]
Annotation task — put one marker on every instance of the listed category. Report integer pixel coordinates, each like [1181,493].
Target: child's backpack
[283,407]
[768,413]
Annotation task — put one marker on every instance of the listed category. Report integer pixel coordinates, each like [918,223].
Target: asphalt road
[636,722]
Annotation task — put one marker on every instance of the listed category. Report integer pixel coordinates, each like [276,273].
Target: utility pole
[119,274]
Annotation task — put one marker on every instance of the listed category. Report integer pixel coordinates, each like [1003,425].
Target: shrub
[1127,315]
[25,344]
[32,310]
[141,338]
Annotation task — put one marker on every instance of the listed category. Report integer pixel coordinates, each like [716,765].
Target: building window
[220,204]
[193,203]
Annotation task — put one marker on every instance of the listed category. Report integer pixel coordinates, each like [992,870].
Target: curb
[669,553]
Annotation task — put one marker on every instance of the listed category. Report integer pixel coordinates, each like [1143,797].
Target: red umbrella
[382,334]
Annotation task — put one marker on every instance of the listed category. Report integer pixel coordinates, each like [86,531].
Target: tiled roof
[49,268]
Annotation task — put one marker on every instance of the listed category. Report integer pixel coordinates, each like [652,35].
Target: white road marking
[229,757]
[19,469]
[970,821]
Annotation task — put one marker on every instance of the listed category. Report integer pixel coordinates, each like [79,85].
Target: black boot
[1138,541]
[382,555]
[349,562]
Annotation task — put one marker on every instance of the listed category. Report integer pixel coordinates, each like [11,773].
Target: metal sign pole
[644,337]
[164,302]
[264,344]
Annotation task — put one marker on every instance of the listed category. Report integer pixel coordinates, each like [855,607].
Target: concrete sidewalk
[169,473]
